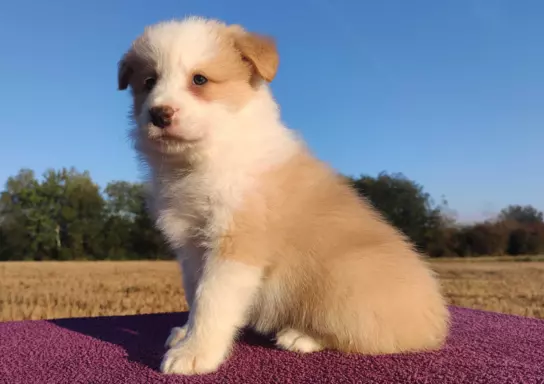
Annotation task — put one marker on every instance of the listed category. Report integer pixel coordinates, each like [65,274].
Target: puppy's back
[337,271]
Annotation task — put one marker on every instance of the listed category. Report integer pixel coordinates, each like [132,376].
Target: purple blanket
[483,347]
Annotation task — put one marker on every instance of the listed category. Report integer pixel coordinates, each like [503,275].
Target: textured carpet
[483,348]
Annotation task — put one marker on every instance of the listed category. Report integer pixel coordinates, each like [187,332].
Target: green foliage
[404,204]
[66,216]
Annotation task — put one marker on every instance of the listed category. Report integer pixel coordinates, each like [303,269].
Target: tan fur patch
[326,206]
[231,73]
[228,78]
[334,269]
[259,50]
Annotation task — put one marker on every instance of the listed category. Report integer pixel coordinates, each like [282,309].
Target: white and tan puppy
[267,235]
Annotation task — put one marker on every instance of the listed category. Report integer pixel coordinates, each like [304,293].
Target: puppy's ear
[124,72]
[258,50]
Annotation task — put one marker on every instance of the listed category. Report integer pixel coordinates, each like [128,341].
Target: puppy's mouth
[167,139]
[165,142]
[164,135]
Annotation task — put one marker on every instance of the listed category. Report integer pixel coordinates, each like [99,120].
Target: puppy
[267,235]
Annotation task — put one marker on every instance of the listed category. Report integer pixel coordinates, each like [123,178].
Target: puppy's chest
[196,207]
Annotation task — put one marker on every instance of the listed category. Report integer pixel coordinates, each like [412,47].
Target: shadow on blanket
[143,337]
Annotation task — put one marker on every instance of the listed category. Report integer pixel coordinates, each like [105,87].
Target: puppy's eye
[149,83]
[199,80]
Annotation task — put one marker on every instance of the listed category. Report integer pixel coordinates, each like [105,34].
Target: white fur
[223,298]
[176,48]
[191,260]
[217,187]
[200,204]
[176,335]
[293,340]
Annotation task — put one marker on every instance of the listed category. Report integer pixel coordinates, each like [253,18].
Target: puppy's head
[190,78]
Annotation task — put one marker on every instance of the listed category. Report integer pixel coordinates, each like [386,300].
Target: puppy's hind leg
[293,340]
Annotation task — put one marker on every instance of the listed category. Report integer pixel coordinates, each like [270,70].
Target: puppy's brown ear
[124,72]
[259,50]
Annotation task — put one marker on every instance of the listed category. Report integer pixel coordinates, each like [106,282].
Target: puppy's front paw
[190,358]
[176,335]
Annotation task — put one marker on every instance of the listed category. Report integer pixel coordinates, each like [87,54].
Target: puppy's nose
[161,116]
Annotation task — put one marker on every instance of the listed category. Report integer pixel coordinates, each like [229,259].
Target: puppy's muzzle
[162,116]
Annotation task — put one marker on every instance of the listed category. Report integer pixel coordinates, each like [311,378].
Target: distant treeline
[64,215]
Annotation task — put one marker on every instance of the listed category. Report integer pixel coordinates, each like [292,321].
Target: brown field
[38,290]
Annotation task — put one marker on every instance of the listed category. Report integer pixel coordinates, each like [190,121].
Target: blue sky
[451,93]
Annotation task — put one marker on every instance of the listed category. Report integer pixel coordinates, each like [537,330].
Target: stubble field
[45,290]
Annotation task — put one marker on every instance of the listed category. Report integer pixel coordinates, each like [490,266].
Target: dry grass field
[38,290]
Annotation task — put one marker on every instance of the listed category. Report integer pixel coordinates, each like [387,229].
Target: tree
[483,239]
[404,204]
[526,229]
[130,231]
[81,215]
[121,209]
[58,218]
[526,214]
[147,240]
[26,227]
